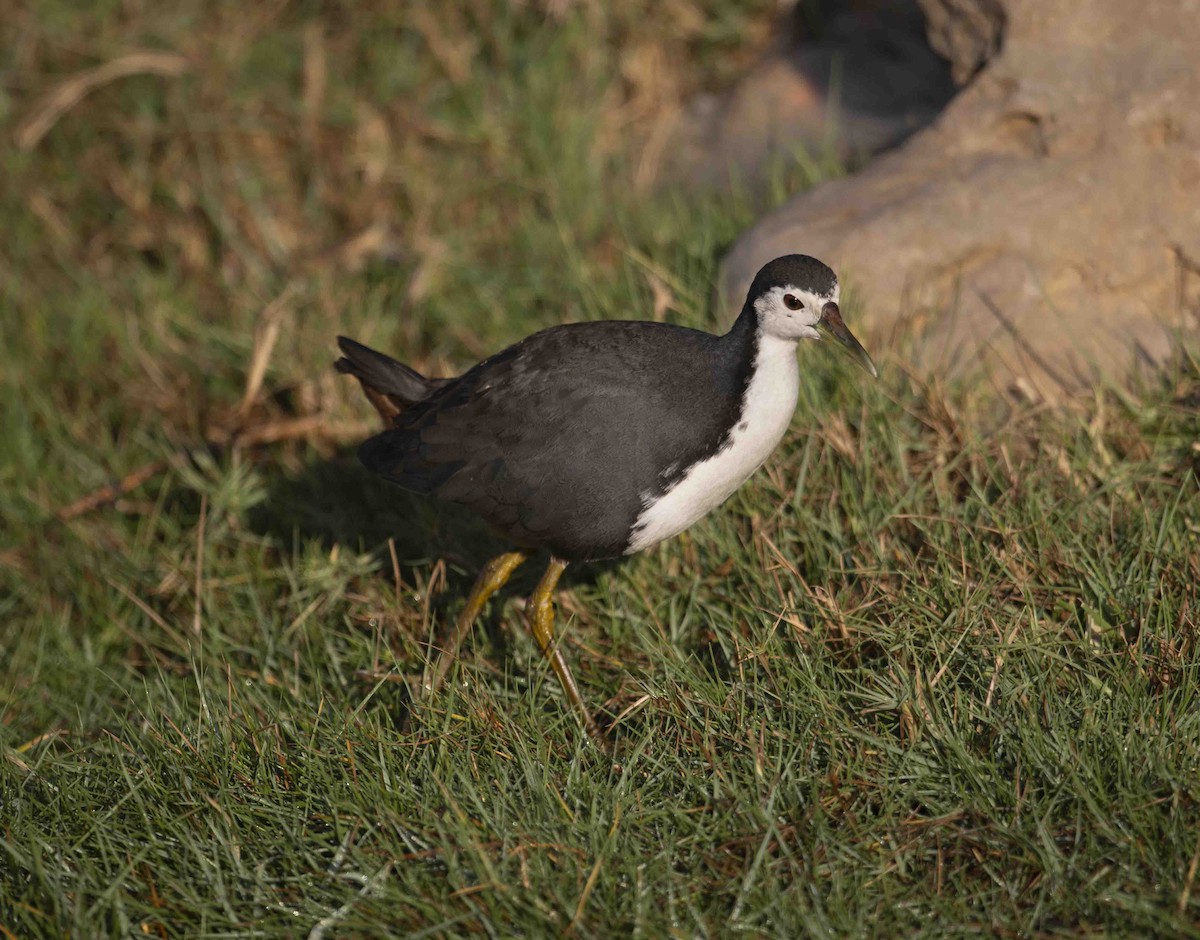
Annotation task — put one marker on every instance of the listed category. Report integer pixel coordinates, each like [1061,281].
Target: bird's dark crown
[798,271]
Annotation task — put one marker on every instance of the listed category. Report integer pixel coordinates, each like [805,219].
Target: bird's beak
[831,319]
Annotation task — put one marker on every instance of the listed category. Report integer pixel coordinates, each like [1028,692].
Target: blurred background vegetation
[436,178]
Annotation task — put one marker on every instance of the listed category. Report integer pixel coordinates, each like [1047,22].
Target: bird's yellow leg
[541,617]
[495,575]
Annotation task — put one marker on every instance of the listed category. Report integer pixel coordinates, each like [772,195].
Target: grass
[933,671]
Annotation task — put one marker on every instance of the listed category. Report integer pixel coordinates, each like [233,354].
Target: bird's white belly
[770,400]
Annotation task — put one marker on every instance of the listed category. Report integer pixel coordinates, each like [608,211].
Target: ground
[932,671]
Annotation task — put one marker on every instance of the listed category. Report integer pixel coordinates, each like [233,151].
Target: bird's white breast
[769,402]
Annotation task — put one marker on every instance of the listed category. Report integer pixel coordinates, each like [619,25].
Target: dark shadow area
[870,57]
[338,502]
[842,80]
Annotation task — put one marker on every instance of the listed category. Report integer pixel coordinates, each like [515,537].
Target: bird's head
[795,297]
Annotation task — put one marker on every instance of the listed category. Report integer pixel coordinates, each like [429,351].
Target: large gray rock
[966,32]
[861,81]
[1046,228]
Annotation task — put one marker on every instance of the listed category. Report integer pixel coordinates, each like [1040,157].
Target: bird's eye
[792,301]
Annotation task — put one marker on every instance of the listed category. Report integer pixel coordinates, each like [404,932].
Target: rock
[861,82]
[966,32]
[1045,230]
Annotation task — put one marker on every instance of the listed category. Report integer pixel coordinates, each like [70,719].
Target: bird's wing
[570,427]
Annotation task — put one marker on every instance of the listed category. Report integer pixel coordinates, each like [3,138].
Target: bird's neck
[768,398]
[745,327]
[757,358]
[743,337]
[747,343]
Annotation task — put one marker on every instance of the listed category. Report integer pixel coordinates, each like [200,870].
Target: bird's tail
[390,386]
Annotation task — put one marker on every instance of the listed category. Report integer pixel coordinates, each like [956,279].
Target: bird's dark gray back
[557,440]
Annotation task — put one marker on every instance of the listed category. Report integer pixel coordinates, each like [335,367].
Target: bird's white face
[791,312]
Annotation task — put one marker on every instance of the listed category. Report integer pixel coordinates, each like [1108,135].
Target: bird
[593,441]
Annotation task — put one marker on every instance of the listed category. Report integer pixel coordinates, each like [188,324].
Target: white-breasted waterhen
[596,440]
